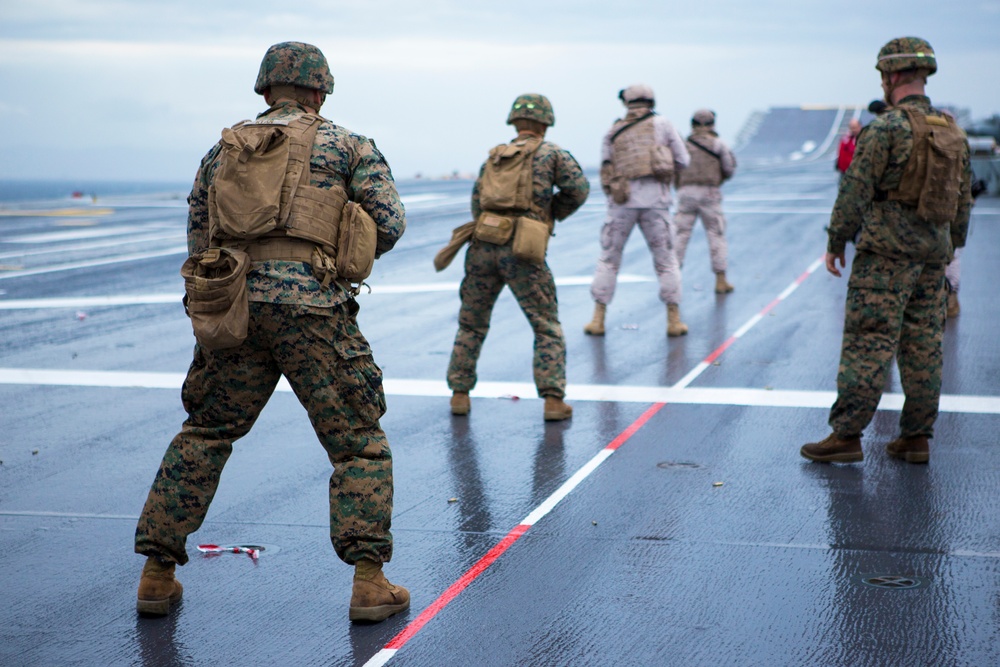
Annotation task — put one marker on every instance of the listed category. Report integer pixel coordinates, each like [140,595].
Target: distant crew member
[911,204]
[848,144]
[639,156]
[269,205]
[522,189]
[699,194]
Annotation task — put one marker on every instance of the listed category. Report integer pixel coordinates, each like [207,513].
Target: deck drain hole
[673,465]
[892,581]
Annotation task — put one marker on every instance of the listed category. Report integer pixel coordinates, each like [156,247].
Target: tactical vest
[631,144]
[261,201]
[932,176]
[705,167]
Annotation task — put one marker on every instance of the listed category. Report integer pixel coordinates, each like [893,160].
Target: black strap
[710,152]
[631,124]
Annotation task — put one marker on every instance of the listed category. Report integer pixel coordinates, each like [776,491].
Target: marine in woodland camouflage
[307,333]
[488,267]
[896,292]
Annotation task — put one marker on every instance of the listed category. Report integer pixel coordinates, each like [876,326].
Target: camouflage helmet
[295,64]
[532,106]
[703,117]
[905,53]
[637,92]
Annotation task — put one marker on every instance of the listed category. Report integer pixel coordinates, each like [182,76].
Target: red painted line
[634,426]
[452,592]
[769,306]
[498,550]
[719,350]
[732,339]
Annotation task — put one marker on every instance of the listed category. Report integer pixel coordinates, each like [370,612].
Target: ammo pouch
[662,162]
[620,190]
[493,228]
[607,174]
[531,240]
[356,242]
[215,296]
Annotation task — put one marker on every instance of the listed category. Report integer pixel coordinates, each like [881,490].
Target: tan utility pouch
[531,240]
[607,175]
[493,228]
[620,190]
[215,297]
[356,243]
[662,162]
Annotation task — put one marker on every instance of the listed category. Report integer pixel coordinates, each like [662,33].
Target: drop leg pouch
[215,296]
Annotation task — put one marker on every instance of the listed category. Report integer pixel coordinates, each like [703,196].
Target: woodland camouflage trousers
[328,364]
[894,307]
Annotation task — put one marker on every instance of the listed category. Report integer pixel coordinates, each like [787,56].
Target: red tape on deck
[498,550]
[518,531]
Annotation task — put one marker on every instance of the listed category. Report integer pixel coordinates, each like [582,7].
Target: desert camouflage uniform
[649,207]
[307,333]
[698,194]
[488,267]
[896,292]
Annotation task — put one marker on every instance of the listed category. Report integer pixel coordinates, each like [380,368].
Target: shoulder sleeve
[574,187]
[371,185]
[197,225]
[857,187]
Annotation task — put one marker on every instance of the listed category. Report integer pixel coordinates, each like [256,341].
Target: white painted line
[678,394]
[97,262]
[567,486]
[775,197]
[90,301]
[72,235]
[141,299]
[60,249]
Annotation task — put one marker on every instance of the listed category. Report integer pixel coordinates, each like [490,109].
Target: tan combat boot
[373,598]
[953,308]
[158,590]
[914,449]
[557,409]
[460,404]
[834,449]
[722,286]
[596,325]
[674,325]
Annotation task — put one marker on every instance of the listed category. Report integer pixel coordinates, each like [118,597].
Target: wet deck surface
[644,560]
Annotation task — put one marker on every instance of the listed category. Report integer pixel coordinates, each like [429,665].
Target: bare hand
[831,263]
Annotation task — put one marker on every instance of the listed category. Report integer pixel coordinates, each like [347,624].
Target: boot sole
[557,416]
[912,457]
[376,614]
[833,458]
[461,412]
[156,607]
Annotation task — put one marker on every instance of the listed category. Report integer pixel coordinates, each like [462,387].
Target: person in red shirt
[847,144]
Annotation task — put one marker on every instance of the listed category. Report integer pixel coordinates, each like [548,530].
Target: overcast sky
[139,90]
